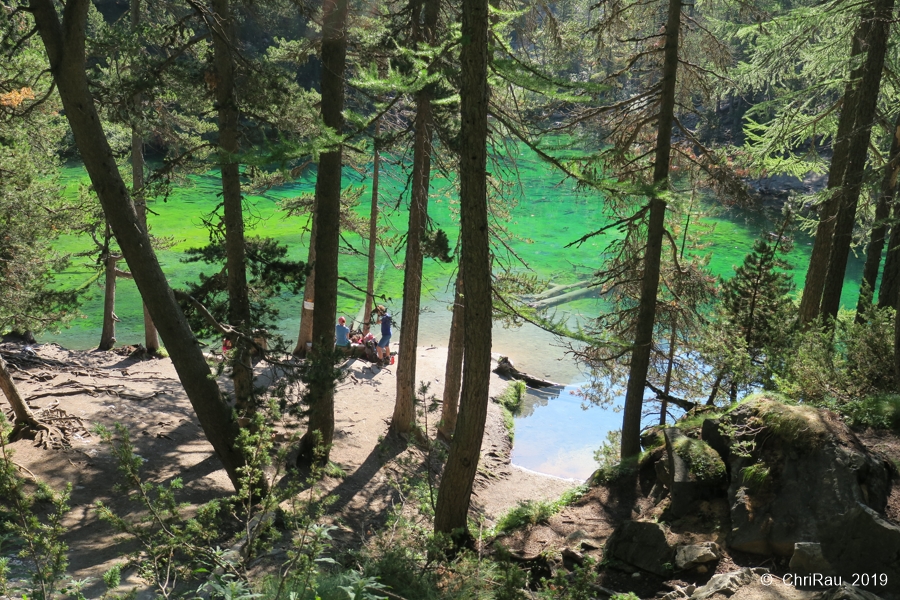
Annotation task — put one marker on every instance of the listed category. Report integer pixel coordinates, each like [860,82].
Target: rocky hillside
[764,500]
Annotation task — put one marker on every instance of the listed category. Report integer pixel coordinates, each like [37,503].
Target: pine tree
[755,315]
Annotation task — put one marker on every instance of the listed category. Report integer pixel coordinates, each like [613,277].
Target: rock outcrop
[798,484]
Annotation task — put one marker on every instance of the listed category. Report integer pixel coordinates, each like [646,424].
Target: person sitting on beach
[342,334]
[371,348]
[384,349]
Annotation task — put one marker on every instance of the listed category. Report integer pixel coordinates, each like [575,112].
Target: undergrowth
[532,512]
[206,551]
[510,402]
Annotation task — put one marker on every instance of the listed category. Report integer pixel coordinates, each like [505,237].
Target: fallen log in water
[583,292]
[558,290]
[505,368]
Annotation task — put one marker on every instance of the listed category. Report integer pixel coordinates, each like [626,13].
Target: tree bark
[224,40]
[810,301]
[304,336]
[151,337]
[455,490]
[879,230]
[22,413]
[108,332]
[866,104]
[890,276]
[640,356]
[65,45]
[453,369]
[328,205]
[373,234]
[403,420]
[889,292]
[897,346]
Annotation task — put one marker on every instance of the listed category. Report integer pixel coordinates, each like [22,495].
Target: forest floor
[146,397]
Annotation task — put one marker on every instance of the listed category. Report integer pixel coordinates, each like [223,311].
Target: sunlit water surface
[555,435]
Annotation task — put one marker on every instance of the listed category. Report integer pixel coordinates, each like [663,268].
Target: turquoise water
[546,215]
[549,214]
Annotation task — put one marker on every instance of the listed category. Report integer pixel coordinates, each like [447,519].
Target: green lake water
[548,215]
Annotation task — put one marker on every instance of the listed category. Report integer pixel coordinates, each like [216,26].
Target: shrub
[879,411]
[833,368]
[609,453]
[532,512]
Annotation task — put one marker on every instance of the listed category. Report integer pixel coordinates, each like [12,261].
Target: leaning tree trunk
[643,339]
[65,45]
[810,301]
[328,205]
[224,40]
[453,370]
[879,231]
[23,414]
[404,416]
[151,337]
[455,490]
[867,97]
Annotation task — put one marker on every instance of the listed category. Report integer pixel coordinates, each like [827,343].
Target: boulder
[728,583]
[780,457]
[688,557]
[642,545]
[848,592]
[808,558]
[864,549]
[695,471]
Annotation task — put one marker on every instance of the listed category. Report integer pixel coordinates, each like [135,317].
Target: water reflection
[557,436]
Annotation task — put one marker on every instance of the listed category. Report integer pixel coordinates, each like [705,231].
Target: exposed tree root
[51,429]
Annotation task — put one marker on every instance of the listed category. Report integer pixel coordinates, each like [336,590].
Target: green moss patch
[704,462]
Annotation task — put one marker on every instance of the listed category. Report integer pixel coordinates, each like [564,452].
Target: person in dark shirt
[384,350]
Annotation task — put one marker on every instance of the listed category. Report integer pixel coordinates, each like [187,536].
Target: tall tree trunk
[663,402]
[65,45]
[23,414]
[810,301]
[404,416]
[889,291]
[328,206]
[373,233]
[867,97]
[879,230]
[235,254]
[897,346]
[643,340]
[151,337]
[304,336]
[890,276]
[453,369]
[108,332]
[455,490]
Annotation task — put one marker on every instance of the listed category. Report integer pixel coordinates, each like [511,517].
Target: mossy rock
[704,463]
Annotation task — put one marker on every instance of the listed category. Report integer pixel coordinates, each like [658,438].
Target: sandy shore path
[146,397]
